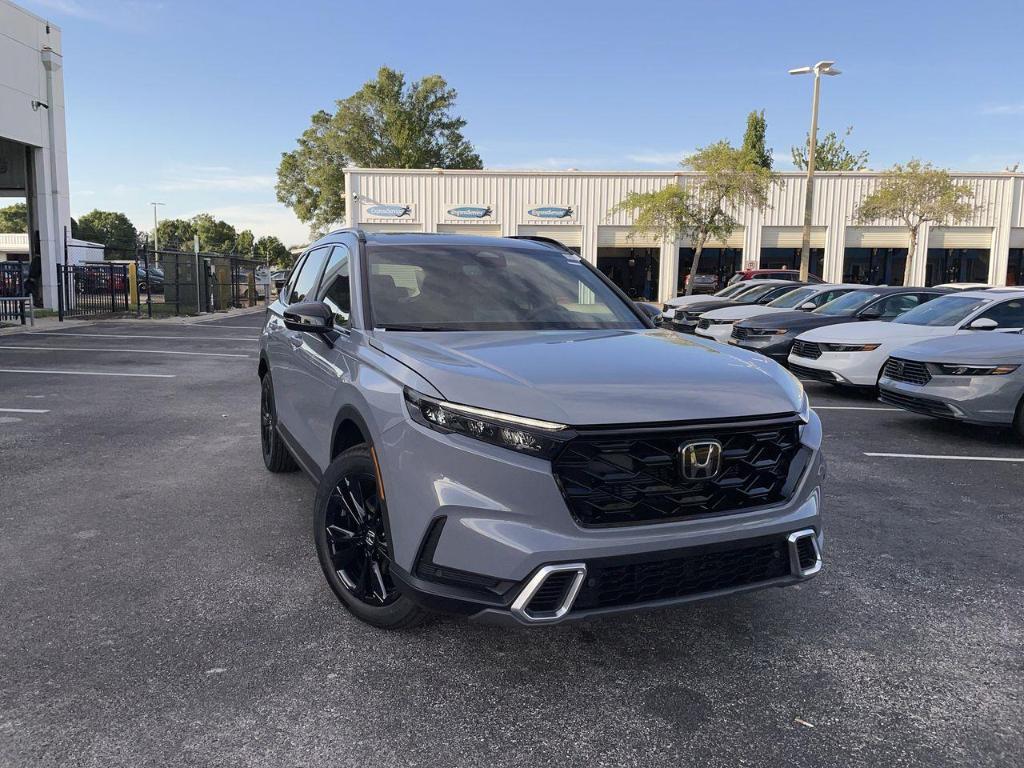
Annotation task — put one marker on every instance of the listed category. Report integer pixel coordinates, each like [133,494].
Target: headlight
[805,408]
[851,347]
[976,370]
[518,433]
[767,332]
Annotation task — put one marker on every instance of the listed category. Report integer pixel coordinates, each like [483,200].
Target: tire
[276,457]
[350,531]
[1018,421]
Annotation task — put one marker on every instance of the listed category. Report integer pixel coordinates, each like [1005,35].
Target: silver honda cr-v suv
[496,431]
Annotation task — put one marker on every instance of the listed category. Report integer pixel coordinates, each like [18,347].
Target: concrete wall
[510,195]
[31,71]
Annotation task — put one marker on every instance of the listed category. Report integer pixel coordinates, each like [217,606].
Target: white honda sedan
[854,353]
[717,323]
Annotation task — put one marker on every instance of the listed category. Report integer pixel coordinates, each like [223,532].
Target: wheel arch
[350,429]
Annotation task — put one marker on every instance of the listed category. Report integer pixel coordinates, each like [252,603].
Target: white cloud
[1004,109]
[657,158]
[213,177]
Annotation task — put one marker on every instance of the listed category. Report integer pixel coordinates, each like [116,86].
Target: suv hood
[743,311]
[596,377]
[977,347]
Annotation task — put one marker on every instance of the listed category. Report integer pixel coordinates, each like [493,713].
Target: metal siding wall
[480,230]
[571,236]
[619,237]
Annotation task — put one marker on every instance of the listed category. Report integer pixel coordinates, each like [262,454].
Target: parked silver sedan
[977,378]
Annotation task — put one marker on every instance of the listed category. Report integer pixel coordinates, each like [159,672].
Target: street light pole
[156,236]
[819,69]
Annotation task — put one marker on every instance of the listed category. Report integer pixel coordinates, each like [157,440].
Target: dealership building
[33,145]
[575,208]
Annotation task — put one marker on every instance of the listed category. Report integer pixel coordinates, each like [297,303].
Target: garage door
[1017,237]
[483,230]
[391,227]
[735,240]
[791,237]
[570,236]
[960,237]
[876,237]
[620,237]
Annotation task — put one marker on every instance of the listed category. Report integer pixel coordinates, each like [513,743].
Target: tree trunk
[693,267]
[908,271]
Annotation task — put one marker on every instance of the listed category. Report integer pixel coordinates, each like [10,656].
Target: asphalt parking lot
[162,603]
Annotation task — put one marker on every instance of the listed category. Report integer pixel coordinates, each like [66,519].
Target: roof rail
[545,241]
[357,231]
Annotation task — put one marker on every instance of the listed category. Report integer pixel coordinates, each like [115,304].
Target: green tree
[176,234]
[111,228]
[385,124]
[830,154]
[268,248]
[215,236]
[14,218]
[701,209]
[754,139]
[913,194]
[244,242]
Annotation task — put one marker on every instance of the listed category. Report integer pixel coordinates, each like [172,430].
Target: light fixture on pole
[819,69]
[156,237]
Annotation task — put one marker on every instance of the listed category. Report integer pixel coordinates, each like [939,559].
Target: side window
[335,290]
[1009,314]
[894,306]
[286,291]
[827,296]
[305,281]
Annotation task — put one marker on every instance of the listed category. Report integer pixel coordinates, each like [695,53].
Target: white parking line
[850,408]
[90,373]
[23,410]
[131,351]
[139,336]
[246,327]
[945,458]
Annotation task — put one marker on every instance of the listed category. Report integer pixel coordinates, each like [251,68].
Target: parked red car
[772,274]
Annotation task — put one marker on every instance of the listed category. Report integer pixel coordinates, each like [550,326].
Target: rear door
[1009,315]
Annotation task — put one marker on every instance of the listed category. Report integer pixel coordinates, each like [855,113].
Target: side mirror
[870,314]
[807,306]
[310,317]
[983,324]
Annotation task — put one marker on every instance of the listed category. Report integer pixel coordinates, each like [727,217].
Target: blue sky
[191,102]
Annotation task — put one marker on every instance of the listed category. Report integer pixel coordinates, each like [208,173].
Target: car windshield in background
[757,292]
[847,303]
[454,287]
[945,310]
[793,298]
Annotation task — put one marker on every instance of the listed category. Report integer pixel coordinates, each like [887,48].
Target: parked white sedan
[733,291]
[854,353]
[717,323]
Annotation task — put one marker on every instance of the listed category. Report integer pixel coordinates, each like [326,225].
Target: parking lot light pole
[156,236]
[819,69]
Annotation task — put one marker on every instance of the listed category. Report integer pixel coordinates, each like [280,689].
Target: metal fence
[13,275]
[148,283]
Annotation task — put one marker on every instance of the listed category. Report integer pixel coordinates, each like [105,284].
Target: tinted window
[894,306]
[758,291]
[456,287]
[776,292]
[305,280]
[335,290]
[848,304]
[1009,314]
[943,311]
[287,290]
[793,298]
[827,296]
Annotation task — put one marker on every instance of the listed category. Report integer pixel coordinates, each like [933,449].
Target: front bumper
[858,369]
[776,348]
[972,399]
[718,331]
[505,519]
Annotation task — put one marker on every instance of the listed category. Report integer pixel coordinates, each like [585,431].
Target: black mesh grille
[806,349]
[704,324]
[686,572]
[551,593]
[916,404]
[636,477]
[910,371]
[812,373]
[740,333]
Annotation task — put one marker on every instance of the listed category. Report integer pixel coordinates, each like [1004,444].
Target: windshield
[945,310]
[729,290]
[848,303]
[456,287]
[793,298]
[756,292]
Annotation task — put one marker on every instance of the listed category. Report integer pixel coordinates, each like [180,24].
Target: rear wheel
[1018,421]
[351,534]
[275,454]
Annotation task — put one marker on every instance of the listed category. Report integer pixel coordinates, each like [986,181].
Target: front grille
[704,324]
[612,477]
[909,371]
[806,349]
[617,582]
[812,373]
[740,333]
[917,404]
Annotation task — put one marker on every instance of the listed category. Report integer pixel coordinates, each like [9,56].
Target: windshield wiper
[420,328]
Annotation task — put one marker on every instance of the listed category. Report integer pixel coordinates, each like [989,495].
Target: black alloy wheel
[275,455]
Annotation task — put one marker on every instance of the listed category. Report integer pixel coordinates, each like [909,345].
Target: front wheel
[275,455]
[1018,421]
[351,535]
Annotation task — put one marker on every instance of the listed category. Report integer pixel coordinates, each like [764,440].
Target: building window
[634,270]
[956,265]
[716,266]
[1015,267]
[789,258]
[874,266]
